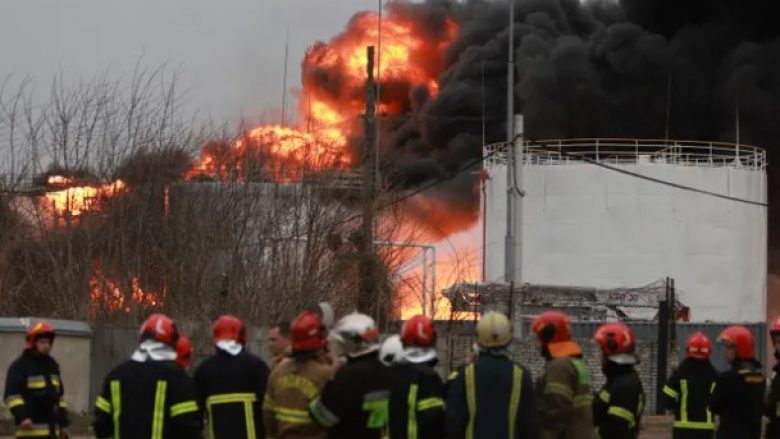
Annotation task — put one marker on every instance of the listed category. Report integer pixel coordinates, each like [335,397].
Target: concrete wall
[72,352]
[584,225]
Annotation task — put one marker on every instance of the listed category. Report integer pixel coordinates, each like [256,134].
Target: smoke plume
[599,68]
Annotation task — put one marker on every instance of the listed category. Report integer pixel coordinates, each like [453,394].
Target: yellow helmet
[494,330]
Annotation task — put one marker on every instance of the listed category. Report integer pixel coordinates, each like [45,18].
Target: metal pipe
[509,240]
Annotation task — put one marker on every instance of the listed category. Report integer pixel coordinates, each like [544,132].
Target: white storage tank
[581,224]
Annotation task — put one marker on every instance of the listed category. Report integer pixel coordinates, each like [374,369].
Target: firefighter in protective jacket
[296,380]
[231,385]
[688,391]
[564,393]
[34,390]
[618,406]
[355,403]
[492,397]
[417,400]
[772,406]
[738,397]
[149,396]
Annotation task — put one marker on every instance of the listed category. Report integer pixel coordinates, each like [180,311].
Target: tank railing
[637,151]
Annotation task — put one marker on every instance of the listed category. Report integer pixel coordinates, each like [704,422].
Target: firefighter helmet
[38,330]
[740,338]
[159,327]
[307,332]
[775,328]
[617,342]
[553,329]
[357,333]
[392,350]
[228,327]
[494,330]
[418,331]
[183,352]
[698,346]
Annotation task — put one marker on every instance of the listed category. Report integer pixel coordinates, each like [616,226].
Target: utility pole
[368,294]
[509,240]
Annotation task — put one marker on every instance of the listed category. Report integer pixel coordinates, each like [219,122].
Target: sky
[230,53]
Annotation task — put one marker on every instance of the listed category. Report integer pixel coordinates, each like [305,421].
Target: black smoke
[599,68]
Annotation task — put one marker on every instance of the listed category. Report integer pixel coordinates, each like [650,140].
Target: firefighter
[565,399]
[354,404]
[738,397]
[34,389]
[279,341]
[184,352]
[492,397]
[618,406]
[688,390]
[296,381]
[149,396]
[772,406]
[231,384]
[417,400]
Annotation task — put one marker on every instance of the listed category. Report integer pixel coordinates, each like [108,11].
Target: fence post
[663,347]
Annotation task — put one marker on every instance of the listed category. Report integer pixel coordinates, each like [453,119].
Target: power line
[652,179]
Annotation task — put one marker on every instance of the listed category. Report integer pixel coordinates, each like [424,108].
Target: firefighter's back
[230,390]
[688,391]
[143,400]
[738,399]
[291,387]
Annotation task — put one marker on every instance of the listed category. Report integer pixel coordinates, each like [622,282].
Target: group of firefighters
[342,381]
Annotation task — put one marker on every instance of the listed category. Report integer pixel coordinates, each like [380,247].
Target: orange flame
[333,97]
[108,297]
[77,200]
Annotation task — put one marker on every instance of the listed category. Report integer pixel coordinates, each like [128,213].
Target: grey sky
[230,52]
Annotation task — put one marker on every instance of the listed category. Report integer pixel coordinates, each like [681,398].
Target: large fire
[72,199]
[332,99]
[108,297]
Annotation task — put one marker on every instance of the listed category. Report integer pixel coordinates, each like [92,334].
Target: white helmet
[358,333]
[391,351]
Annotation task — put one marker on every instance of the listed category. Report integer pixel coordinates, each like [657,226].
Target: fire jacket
[618,407]
[687,393]
[147,399]
[355,403]
[772,407]
[738,399]
[231,389]
[33,389]
[293,384]
[416,403]
[491,398]
[565,400]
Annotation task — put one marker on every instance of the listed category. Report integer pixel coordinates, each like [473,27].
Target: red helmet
[698,346]
[741,338]
[228,327]
[307,332]
[161,328]
[41,329]
[418,331]
[775,328]
[184,352]
[553,330]
[617,342]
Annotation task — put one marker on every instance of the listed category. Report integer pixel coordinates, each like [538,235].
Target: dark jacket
[565,400]
[149,399]
[687,394]
[738,399]
[355,403]
[34,390]
[618,406]
[503,398]
[230,390]
[772,406]
[416,403]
